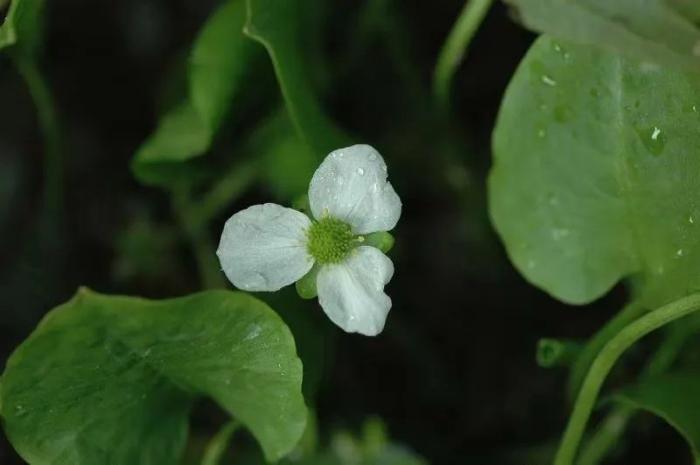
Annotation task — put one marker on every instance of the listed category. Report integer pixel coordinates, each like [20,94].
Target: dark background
[453,375]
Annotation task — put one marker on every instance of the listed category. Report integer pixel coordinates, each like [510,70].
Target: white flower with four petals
[266,247]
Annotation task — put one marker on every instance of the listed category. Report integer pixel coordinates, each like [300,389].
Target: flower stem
[48,123]
[456,46]
[201,244]
[217,446]
[604,362]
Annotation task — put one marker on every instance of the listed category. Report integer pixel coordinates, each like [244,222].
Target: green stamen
[331,240]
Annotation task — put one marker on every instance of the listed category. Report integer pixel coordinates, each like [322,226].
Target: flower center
[331,240]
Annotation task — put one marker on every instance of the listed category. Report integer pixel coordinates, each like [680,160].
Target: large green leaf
[23,24]
[658,30]
[218,65]
[673,397]
[278,26]
[107,379]
[594,177]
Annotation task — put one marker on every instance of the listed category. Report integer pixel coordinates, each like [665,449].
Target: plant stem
[603,364]
[225,191]
[199,239]
[583,362]
[611,428]
[217,446]
[455,47]
[48,123]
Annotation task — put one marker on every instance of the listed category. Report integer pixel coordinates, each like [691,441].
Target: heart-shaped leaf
[657,30]
[594,176]
[101,371]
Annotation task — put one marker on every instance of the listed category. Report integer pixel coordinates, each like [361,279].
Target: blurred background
[453,377]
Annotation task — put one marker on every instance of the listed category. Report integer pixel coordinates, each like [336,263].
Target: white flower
[266,247]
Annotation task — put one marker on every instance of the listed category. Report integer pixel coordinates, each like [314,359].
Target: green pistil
[331,240]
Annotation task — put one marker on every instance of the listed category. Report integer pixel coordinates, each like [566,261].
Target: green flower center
[331,240]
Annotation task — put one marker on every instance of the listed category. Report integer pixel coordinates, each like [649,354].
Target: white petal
[352,293]
[351,185]
[263,248]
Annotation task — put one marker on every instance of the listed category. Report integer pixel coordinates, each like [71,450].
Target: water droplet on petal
[361,171]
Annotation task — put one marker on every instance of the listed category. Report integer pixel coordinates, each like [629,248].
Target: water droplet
[361,171]
[339,154]
[557,47]
[679,253]
[541,133]
[340,180]
[654,139]
[548,80]
[691,220]
[694,108]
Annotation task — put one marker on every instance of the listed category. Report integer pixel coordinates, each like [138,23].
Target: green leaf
[101,371]
[656,30]
[277,26]
[672,397]
[23,25]
[218,67]
[596,183]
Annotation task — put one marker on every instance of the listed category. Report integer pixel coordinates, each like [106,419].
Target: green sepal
[306,286]
[382,240]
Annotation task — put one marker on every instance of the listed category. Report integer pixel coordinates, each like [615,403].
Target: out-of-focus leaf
[372,447]
[219,62]
[105,370]
[597,183]
[276,25]
[23,25]
[673,397]
[286,163]
[648,29]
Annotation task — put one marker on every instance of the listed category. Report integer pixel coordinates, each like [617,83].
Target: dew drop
[361,171]
[548,80]
[691,220]
[679,253]
[653,139]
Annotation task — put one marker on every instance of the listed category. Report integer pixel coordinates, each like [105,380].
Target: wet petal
[351,185]
[352,293]
[263,248]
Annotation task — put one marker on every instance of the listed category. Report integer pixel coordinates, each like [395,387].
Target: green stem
[225,191]
[603,364]
[610,430]
[583,362]
[202,247]
[456,46]
[217,446]
[48,123]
